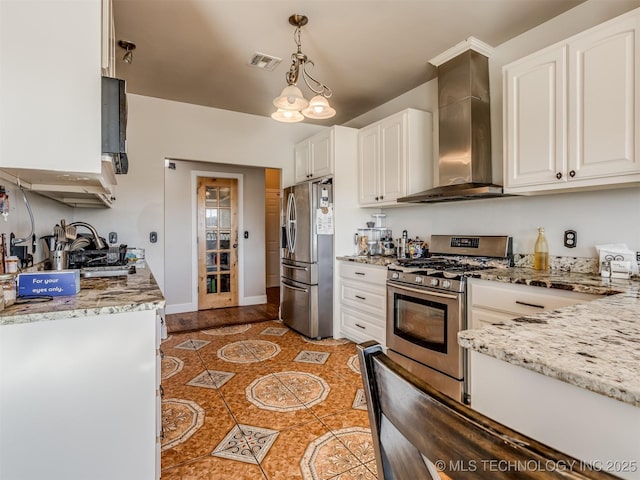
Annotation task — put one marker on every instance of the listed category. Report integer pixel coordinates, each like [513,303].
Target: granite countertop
[594,345]
[97,296]
[369,259]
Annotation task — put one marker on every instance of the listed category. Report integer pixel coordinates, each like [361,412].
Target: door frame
[194,231]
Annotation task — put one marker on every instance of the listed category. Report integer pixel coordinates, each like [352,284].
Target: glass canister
[8,284]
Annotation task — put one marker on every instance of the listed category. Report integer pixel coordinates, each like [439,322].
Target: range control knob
[446,284]
[395,275]
[434,282]
[418,279]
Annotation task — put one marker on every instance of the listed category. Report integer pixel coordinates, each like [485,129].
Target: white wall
[46,213]
[180,218]
[159,129]
[598,216]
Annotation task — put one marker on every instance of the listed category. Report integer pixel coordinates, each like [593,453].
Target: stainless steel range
[426,307]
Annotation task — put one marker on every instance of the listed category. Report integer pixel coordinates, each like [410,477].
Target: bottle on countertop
[541,252]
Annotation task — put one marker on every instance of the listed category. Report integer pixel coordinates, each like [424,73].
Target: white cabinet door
[313,157]
[50,85]
[321,162]
[368,165]
[571,112]
[535,119]
[302,159]
[603,105]
[393,159]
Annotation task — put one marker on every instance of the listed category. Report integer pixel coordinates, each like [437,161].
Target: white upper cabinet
[314,156]
[50,85]
[50,99]
[395,158]
[571,115]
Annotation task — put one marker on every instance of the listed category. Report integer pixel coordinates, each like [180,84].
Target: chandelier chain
[299,62]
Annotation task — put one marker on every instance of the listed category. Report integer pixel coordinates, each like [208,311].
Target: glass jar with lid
[8,284]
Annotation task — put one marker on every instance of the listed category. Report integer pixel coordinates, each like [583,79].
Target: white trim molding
[471,43]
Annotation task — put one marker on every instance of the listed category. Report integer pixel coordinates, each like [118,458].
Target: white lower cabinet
[78,398]
[363,302]
[492,302]
[591,427]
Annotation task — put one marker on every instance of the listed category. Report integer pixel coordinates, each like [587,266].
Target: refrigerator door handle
[298,289]
[291,223]
[284,265]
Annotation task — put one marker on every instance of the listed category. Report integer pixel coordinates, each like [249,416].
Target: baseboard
[181,308]
[256,300]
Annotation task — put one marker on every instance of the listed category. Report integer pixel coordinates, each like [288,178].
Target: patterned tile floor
[261,402]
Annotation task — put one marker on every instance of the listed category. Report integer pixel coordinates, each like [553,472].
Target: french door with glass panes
[217,243]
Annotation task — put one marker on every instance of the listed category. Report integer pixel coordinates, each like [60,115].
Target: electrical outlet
[570,238]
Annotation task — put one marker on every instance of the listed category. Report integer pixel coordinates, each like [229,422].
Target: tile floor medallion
[248,351]
[230,330]
[246,443]
[287,391]
[192,344]
[360,401]
[180,419]
[211,379]
[354,363]
[275,331]
[337,452]
[308,356]
[327,342]
[295,398]
[170,366]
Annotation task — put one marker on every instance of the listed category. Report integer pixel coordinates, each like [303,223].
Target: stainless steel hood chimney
[464,126]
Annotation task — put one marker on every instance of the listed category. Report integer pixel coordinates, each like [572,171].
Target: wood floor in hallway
[220,317]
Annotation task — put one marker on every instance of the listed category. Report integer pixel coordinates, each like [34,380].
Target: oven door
[423,325]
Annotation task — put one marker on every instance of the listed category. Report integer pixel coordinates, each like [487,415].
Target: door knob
[572,173]
[235,245]
[559,175]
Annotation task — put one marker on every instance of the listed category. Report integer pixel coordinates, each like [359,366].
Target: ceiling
[366,51]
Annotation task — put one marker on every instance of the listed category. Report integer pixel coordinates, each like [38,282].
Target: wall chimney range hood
[464,165]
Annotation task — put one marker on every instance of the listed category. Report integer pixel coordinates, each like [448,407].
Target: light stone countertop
[97,296]
[369,259]
[594,345]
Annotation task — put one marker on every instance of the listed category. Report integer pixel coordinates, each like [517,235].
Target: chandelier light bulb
[287,116]
[319,108]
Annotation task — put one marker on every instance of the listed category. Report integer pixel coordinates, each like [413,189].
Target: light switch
[153,237]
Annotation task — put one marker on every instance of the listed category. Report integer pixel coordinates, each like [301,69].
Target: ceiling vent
[264,61]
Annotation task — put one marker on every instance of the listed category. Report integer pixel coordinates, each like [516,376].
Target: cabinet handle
[360,273]
[162,434]
[572,173]
[559,175]
[529,304]
[360,326]
[376,199]
[381,197]
[161,392]
[161,353]
[360,297]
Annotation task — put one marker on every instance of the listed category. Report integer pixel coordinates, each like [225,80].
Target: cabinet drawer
[362,327]
[363,273]
[522,299]
[482,318]
[363,298]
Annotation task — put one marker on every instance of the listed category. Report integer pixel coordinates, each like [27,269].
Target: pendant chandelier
[291,104]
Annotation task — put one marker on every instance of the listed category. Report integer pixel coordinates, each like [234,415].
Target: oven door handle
[426,292]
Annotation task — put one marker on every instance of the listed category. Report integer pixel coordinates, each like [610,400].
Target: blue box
[53,283]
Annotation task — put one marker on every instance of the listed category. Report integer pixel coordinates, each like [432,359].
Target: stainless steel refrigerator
[307,260]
